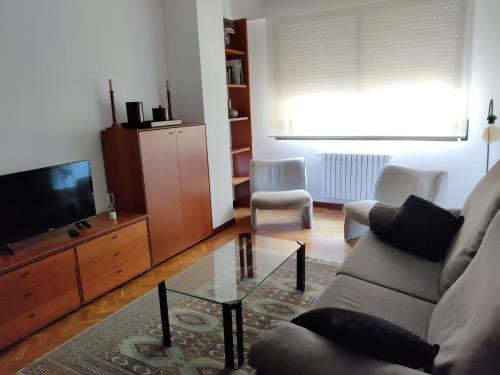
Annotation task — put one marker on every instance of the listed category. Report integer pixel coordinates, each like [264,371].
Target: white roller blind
[395,68]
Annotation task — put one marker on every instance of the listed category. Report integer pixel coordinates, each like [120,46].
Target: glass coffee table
[227,277]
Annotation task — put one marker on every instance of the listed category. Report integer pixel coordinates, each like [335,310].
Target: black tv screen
[39,200]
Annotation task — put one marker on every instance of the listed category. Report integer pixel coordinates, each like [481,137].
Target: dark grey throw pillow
[420,227]
[370,336]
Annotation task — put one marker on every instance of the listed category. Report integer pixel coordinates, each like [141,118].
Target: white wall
[283,8]
[257,9]
[56,58]
[213,78]
[251,9]
[485,83]
[465,161]
[227,9]
[183,60]
[196,67]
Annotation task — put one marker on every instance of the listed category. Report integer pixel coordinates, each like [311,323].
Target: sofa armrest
[288,349]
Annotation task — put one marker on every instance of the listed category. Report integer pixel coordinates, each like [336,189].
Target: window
[390,69]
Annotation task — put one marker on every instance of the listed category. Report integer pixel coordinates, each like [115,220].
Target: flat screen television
[36,201]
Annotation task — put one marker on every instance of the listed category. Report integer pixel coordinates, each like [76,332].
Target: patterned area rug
[129,341]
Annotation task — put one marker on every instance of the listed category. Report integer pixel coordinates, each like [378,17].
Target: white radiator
[351,177]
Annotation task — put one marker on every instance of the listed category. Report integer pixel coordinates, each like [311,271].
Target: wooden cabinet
[44,281]
[168,167]
[195,186]
[35,295]
[112,259]
[163,192]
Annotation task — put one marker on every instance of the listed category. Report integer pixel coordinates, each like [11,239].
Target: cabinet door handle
[114,236]
[179,132]
[25,274]
[28,295]
[119,271]
[116,254]
[30,316]
[171,133]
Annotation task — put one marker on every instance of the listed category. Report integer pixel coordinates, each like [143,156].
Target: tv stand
[116,250]
[8,249]
[83,223]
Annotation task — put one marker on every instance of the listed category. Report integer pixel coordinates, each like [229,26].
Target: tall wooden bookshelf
[241,127]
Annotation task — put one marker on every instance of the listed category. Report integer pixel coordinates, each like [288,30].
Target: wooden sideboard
[53,274]
[162,172]
[161,184]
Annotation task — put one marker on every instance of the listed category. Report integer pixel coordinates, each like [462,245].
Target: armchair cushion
[369,335]
[278,200]
[421,228]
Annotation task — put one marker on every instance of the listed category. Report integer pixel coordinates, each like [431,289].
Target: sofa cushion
[479,209]
[359,210]
[466,321]
[377,262]
[276,200]
[420,227]
[349,293]
[366,334]
[286,348]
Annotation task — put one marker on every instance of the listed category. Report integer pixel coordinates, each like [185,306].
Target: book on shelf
[234,72]
[165,123]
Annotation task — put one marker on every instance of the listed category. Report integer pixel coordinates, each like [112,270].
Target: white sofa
[455,303]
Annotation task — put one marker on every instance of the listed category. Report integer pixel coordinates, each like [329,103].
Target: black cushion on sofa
[370,336]
[421,228]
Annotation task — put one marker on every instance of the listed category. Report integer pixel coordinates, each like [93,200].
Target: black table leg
[239,334]
[165,324]
[301,267]
[227,320]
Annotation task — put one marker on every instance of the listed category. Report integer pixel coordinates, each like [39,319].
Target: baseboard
[337,206]
[223,226]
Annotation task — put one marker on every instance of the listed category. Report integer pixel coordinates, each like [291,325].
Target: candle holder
[113,110]
[169,104]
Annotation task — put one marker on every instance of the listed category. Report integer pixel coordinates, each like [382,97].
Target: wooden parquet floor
[324,241]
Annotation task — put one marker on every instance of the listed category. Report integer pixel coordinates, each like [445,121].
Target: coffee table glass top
[227,274]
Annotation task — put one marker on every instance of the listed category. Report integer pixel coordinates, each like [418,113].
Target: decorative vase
[233,113]
[228,33]
[111,206]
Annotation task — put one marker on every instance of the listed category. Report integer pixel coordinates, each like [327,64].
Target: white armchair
[280,185]
[394,185]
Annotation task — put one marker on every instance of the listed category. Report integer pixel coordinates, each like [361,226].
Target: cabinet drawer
[101,283]
[89,251]
[111,258]
[18,281]
[25,312]
[35,296]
